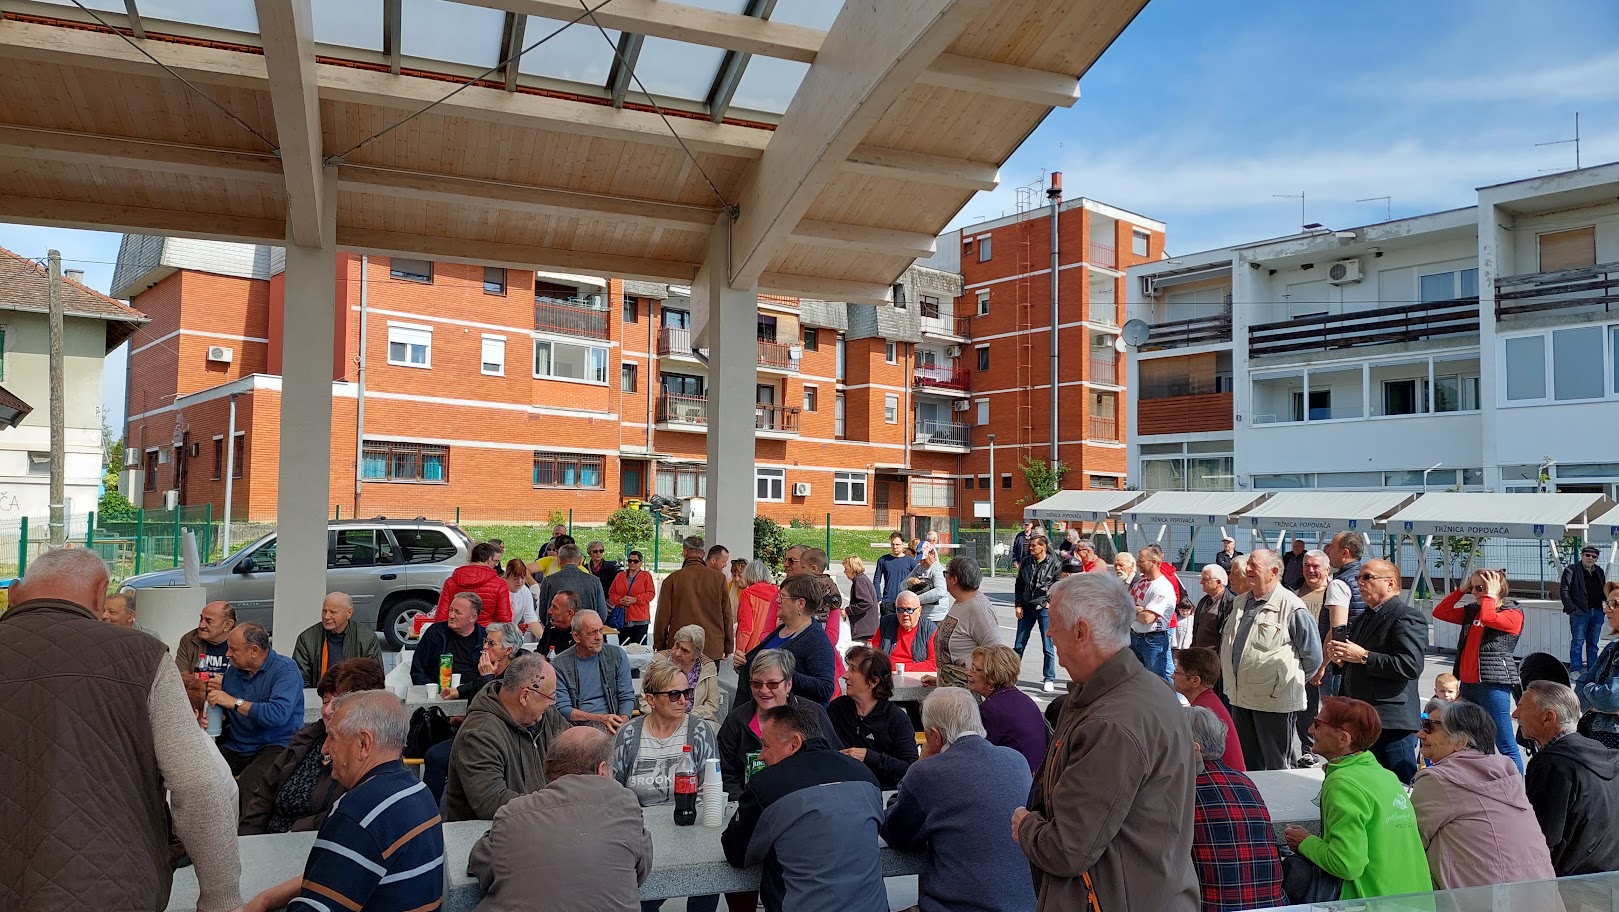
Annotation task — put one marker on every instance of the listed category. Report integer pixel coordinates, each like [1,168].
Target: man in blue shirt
[262,696]
[893,569]
[593,678]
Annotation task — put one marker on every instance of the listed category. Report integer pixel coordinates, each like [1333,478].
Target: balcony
[1103,255]
[675,342]
[1106,371]
[1103,430]
[942,435]
[679,412]
[775,420]
[778,356]
[569,318]
[939,321]
[1102,311]
[1205,410]
[1542,291]
[1183,333]
[1383,326]
[937,378]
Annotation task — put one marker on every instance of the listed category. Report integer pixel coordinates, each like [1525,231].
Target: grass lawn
[524,541]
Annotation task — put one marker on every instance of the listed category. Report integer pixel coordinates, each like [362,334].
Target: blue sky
[1203,109]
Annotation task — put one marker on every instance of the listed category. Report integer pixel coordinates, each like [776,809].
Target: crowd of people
[1132,790]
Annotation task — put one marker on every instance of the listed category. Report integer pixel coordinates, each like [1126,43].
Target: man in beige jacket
[1268,647]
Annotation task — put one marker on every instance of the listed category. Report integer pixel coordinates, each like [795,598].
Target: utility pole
[992,483]
[1054,194]
[58,529]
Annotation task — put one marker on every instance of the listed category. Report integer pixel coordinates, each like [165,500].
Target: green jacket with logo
[1369,831]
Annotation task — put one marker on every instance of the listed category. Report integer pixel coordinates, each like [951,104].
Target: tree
[769,541]
[629,527]
[1043,480]
[112,459]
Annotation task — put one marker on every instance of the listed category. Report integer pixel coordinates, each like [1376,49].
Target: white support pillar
[733,364]
[305,471]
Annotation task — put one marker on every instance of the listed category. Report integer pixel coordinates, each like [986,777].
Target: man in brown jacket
[1111,810]
[695,594]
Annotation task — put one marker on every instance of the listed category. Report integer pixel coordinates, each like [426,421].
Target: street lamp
[991,506]
[1425,475]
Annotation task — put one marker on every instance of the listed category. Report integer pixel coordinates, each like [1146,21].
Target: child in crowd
[1446,687]
[1180,635]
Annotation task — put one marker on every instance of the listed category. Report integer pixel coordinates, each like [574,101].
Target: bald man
[1381,660]
[338,636]
[203,650]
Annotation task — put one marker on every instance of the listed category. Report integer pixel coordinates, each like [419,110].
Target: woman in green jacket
[1369,837]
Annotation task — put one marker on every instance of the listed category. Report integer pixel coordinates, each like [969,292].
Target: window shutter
[1568,249]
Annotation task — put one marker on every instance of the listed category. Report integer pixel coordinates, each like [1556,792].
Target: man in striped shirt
[381,848]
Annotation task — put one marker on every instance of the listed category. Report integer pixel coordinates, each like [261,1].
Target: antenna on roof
[1575,141]
[1388,205]
[1300,197]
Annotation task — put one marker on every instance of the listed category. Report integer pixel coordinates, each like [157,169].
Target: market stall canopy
[1092,506]
[1190,508]
[1480,515]
[1605,528]
[1326,511]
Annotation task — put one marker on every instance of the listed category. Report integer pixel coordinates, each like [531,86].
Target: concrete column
[305,470]
[1495,259]
[733,363]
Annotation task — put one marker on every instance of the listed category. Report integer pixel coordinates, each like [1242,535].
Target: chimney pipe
[76,275]
[1054,194]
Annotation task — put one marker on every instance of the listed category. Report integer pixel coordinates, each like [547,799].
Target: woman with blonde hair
[755,606]
[1011,718]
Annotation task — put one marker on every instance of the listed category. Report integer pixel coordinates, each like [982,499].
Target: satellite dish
[1135,333]
[1118,345]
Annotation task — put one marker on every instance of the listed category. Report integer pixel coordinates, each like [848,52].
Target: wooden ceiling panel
[956,124]
[802,259]
[1060,36]
[880,202]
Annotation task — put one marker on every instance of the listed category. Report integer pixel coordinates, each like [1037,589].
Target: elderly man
[810,817]
[893,569]
[570,577]
[1111,811]
[1020,545]
[381,847]
[1267,648]
[1233,840]
[971,623]
[499,751]
[1155,601]
[1036,575]
[89,828]
[1085,553]
[1581,589]
[1212,609]
[559,615]
[695,594]
[120,610]
[501,644]
[480,577]
[203,651]
[1381,661]
[337,637]
[1228,552]
[558,533]
[262,696]
[584,825]
[1572,782]
[458,637]
[1313,589]
[593,678]
[969,866]
[1293,565]
[907,637]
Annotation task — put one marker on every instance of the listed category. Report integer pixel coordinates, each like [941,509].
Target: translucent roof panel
[100,6]
[816,14]
[235,15]
[452,32]
[349,23]
[677,69]
[724,6]
[578,54]
[768,84]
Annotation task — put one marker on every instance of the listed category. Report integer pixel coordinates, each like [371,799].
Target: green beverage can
[754,765]
[444,662]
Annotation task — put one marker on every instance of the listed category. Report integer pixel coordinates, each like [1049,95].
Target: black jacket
[436,641]
[1034,581]
[736,740]
[886,734]
[1576,597]
[606,574]
[1209,619]
[1573,784]
[1396,636]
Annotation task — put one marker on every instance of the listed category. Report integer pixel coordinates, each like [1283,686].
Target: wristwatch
[239,702]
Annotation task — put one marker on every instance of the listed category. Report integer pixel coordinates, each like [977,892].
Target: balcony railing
[777,355]
[942,433]
[1104,429]
[930,376]
[1104,312]
[1106,370]
[1540,291]
[1104,255]
[1383,326]
[780,418]
[1182,333]
[676,408]
[674,340]
[569,318]
[940,322]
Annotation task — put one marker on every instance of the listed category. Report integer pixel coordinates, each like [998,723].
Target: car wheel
[400,617]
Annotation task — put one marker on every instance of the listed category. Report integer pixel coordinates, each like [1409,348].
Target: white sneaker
[1049,687]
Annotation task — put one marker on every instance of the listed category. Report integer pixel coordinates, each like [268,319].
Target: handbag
[1305,882]
[428,726]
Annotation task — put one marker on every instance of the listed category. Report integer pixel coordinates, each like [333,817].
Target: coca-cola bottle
[685,789]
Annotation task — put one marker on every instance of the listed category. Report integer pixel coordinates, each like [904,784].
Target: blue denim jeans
[1496,699]
[1153,651]
[1025,625]
[1584,627]
[1396,751]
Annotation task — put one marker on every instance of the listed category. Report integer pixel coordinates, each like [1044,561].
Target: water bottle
[216,716]
[685,789]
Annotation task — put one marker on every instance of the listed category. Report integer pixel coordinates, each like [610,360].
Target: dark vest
[78,763]
[921,644]
[1495,662]
[1348,574]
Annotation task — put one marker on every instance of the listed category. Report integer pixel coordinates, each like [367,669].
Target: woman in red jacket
[633,591]
[1484,664]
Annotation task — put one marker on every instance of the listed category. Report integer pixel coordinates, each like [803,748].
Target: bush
[629,527]
[115,507]
[769,541]
[559,518]
[802,522]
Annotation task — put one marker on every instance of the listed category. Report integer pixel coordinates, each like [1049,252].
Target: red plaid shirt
[1233,843]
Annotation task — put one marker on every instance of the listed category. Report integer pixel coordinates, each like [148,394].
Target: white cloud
[1590,79]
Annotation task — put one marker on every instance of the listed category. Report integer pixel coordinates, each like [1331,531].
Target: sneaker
[1049,687]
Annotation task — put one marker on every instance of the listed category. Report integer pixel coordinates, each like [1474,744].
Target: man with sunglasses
[499,751]
[1381,661]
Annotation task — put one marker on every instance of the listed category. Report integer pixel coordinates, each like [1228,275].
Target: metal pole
[230,476]
[829,536]
[359,404]
[90,529]
[140,537]
[1055,195]
[22,547]
[992,483]
[176,535]
[58,520]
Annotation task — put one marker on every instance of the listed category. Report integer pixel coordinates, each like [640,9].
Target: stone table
[415,698]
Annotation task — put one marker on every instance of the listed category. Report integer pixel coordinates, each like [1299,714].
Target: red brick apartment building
[510,394]
[1004,317]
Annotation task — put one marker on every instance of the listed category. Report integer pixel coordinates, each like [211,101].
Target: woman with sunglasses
[879,734]
[632,590]
[702,676]
[1598,688]
[770,685]
[1484,665]
[798,632]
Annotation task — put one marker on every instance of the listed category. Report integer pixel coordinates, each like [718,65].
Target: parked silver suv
[393,569]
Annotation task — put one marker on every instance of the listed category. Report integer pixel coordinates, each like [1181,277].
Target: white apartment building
[1471,348]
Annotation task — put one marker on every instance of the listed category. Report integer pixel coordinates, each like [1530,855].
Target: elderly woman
[1369,837]
[1471,808]
[771,684]
[702,676]
[298,789]
[1598,688]
[1233,840]
[501,643]
[755,606]
[798,632]
[879,734]
[1011,718]
[862,609]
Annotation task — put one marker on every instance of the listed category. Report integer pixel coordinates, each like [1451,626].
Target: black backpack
[428,726]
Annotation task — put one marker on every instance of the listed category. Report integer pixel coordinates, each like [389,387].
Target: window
[983,303]
[631,477]
[1448,286]
[384,460]
[933,492]
[494,280]
[890,353]
[1568,249]
[1577,359]
[842,367]
[767,329]
[1006,481]
[1108,482]
[769,484]
[423,546]
[849,487]
[897,292]
[219,457]
[631,313]
[565,361]
[410,346]
[812,340]
[569,470]
[983,357]
[811,398]
[682,481]
[1526,368]
[968,483]
[39,463]
[983,412]
[681,384]
[264,557]
[1405,397]
[890,409]
[1139,241]
[983,482]
[626,378]
[930,307]
[494,356]
[239,457]
[358,548]
[411,270]
[983,249]
[838,428]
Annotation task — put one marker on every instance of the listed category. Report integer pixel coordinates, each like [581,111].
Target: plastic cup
[432,691]
[455,681]
[899,668]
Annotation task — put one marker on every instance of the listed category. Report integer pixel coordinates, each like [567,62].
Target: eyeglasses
[1429,726]
[766,685]
[1323,722]
[906,610]
[596,551]
[1367,577]
[792,560]
[548,694]
[634,560]
[674,696]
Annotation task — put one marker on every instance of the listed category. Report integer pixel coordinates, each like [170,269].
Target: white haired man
[337,637]
[1213,608]
[1572,782]
[1268,646]
[695,594]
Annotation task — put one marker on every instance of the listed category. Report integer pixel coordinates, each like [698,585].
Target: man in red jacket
[479,577]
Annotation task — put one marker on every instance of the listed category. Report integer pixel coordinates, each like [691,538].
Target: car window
[264,558]
[354,548]
[424,546]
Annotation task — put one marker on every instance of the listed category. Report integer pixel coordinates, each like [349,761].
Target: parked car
[393,570]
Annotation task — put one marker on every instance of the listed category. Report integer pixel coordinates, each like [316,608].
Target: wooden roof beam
[820,289]
[861,239]
[286,28]
[121,152]
[1002,80]
[920,168]
[680,22]
[487,253]
[210,226]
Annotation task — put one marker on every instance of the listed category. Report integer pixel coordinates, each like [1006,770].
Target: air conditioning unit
[801,489]
[952,351]
[132,458]
[221,353]
[963,405]
[1344,272]
[795,352]
[171,499]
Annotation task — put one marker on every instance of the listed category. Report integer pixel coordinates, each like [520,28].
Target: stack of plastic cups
[713,794]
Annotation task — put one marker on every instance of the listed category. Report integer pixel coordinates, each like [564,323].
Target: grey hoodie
[494,759]
[1473,815]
